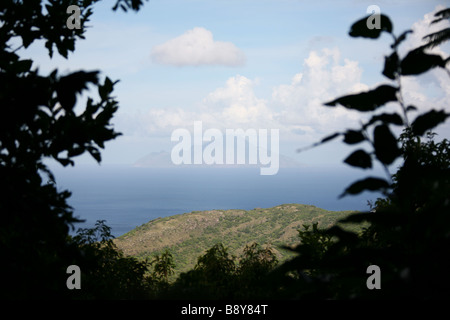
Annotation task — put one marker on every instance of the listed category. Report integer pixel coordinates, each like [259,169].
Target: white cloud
[323,78]
[236,103]
[296,108]
[233,105]
[197,47]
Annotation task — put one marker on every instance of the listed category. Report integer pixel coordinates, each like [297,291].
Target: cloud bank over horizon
[232,67]
[296,108]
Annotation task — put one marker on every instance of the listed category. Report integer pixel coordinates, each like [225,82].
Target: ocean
[127,197]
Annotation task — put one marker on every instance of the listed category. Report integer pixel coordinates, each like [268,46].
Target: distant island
[189,235]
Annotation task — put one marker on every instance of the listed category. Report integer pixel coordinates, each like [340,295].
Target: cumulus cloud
[197,47]
[234,105]
[295,108]
[237,103]
[323,77]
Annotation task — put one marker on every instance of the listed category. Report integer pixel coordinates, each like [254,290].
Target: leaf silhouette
[324,140]
[436,38]
[411,108]
[417,62]
[360,29]
[387,118]
[69,86]
[353,136]
[428,121]
[359,158]
[367,101]
[385,144]
[370,183]
[442,14]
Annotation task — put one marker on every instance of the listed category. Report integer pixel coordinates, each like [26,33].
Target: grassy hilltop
[187,236]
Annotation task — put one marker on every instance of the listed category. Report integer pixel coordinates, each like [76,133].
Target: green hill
[189,235]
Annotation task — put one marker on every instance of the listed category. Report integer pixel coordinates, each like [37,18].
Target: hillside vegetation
[187,236]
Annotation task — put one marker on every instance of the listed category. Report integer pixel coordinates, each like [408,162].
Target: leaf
[437,38]
[75,152]
[68,86]
[391,65]
[65,162]
[385,144]
[326,139]
[106,89]
[444,14]
[367,101]
[23,66]
[360,28]
[417,62]
[330,137]
[352,137]
[91,108]
[359,158]
[428,121]
[370,184]
[78,81]
[95,154]
[128,4]
[411,108]
[386,118]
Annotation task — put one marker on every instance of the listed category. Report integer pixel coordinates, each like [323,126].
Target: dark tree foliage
[436,38]
[38,122]
[163,266]
[106,272]
[408,233]
[212,277]
[217,275]
[409,230]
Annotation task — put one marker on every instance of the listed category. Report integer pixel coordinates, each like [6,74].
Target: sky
[249,64]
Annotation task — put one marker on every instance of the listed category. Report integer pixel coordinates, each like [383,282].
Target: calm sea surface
[127,197]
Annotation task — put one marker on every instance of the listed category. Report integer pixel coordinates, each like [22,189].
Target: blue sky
[261,64]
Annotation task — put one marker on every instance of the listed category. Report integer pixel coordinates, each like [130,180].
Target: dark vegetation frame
[409,229]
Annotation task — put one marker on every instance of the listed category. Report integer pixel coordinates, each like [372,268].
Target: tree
[163,266]
[213,277]
[38,122]
[106,272]
[409,233]
[216,266]
[256,261]
[253,268]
